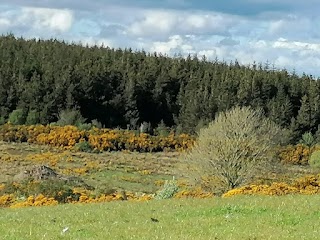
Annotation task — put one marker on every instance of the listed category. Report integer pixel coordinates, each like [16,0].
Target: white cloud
[175,44]
[45,18]
[296,45]
[4,23]
[157,23]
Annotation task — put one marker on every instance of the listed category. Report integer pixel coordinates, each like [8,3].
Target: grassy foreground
[242,217]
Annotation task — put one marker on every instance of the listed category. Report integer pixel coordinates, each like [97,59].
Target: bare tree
[233,146]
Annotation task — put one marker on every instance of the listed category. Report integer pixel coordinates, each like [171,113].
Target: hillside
[124,88]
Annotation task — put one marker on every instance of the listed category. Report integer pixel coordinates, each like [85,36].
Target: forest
[123,88]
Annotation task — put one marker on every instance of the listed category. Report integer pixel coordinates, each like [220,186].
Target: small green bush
[2,120]
[308,139]
[70,117]
[162,130]
[33,118]
[170,187]
[314,160]
[17,117]
[84,126]
[83,146]
[96,123]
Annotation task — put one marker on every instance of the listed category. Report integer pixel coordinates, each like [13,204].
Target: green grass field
[243,217]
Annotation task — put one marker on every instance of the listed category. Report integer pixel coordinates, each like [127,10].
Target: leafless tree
[233,146]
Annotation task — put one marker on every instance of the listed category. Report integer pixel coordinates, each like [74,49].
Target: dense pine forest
[124,88]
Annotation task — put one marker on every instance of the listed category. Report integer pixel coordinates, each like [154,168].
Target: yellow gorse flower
[99,139]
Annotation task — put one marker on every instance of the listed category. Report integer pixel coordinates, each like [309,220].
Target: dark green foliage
[122,88]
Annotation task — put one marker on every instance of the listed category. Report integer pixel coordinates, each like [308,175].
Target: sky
[281,33]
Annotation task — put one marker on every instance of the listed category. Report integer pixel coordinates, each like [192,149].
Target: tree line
[124,88]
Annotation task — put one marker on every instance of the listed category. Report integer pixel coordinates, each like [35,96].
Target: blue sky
[285,33]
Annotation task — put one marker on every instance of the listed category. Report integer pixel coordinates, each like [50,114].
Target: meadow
[122,204]
[240,217]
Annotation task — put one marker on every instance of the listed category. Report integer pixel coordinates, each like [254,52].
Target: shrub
[162,130]
[308,185]
[84,126]
[297,154]
[168,190]
[2,120]
[70,117]
[17,117]
[317,135]
[83,146]
[314,160]
[99,139]
[96,123]
[33,118]
[308,139]
[233,146]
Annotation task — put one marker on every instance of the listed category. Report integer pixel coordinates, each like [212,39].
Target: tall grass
[242,217]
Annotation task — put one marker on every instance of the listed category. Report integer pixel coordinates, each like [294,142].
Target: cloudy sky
[285,33]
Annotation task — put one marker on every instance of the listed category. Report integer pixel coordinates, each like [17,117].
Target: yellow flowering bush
[39,200]
[29,194]
[296,154]
[66,136]
[304,185]
[6,200]
[193,193]
[97,139]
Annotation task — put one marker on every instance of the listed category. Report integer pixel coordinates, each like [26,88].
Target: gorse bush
[97,139]
[304,185]
[295,154]
[234,146]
